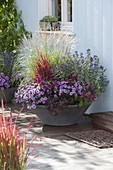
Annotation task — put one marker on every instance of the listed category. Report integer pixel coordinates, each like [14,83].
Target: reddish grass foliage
[12,144]
[43,67]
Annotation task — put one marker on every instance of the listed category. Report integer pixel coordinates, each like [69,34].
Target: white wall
[93,24]
[29,10]
[33,11]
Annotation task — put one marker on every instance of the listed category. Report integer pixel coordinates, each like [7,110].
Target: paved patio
[57,151]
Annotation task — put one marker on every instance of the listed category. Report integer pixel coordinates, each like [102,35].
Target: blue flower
[101,67]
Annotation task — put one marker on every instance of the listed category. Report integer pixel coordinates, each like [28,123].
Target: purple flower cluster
[86,68]
[54,93]
[7,60]
[31,95]
[8,67]
[4,81]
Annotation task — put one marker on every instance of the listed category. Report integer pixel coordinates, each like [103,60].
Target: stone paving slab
[58,152]
[55,154]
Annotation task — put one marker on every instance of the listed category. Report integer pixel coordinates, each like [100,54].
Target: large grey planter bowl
[68,116]
[7,94]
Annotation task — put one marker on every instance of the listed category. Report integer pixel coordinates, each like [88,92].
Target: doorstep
[103,120]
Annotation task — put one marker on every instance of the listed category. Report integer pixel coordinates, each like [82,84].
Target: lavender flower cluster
[7,62]
[55,94]
[8,67]
[4,81]
[86,68]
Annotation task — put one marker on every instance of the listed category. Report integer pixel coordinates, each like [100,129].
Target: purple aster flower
[33,106]
[4,81]
[71,93]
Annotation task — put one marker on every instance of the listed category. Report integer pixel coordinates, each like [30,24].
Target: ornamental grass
[13,145]
[55,74]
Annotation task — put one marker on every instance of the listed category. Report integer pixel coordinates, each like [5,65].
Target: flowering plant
[8,77]
[4,81]
[56,76]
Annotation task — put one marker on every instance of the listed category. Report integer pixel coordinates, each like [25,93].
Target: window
[62,9]
[69,10]
[56,9]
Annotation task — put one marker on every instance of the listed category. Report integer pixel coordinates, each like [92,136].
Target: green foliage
[49,19]
[12,27]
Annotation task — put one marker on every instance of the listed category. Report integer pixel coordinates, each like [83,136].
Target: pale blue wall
[29,10]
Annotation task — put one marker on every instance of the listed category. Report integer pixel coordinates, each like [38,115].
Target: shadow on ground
[38,128]
[57,151]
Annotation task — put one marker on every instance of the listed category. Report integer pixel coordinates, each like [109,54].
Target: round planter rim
[45,106]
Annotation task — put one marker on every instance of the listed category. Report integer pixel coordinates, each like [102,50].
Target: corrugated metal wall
[93,24]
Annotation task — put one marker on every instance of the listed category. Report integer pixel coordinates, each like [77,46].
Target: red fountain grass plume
[12,144]
[43,67]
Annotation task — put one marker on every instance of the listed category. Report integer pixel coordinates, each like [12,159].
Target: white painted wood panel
[89,31]
[44,8]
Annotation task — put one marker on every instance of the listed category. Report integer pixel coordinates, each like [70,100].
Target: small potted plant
[49,23]
[59,84]
[9,81]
